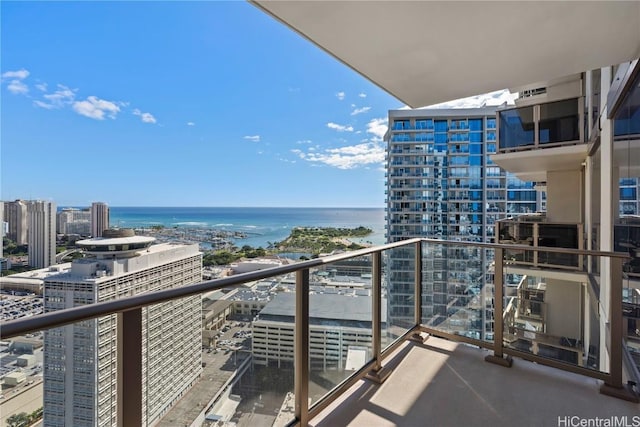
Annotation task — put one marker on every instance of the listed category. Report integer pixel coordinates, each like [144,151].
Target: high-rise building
[71,220]
[99,218]
[42,233]
[441,183]
[15,214]
[80,360]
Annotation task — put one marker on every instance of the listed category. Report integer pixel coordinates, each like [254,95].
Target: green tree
[18,420]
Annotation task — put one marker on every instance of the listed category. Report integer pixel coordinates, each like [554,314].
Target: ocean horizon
[261,225]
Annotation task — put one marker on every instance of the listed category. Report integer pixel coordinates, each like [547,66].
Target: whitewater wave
[223,225]
[201,224]
[250,226]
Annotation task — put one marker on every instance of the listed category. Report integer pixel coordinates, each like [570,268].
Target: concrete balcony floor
[443,383]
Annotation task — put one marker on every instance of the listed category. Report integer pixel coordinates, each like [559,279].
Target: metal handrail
[130,324]
[67,316]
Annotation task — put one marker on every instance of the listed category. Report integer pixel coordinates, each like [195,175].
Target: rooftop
[325,306]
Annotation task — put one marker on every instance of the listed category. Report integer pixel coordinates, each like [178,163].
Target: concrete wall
[564,196]
[563,301]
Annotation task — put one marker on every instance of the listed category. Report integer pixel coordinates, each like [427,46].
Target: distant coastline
[258,226]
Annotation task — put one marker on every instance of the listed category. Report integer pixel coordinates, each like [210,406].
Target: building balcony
[389,374]
[536,231]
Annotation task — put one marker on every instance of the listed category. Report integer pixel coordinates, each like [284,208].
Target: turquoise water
[262,225]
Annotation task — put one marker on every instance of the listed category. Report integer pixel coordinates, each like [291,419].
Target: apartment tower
[442,184]
[15,214]
[41,233]
[99,218]
[80,360]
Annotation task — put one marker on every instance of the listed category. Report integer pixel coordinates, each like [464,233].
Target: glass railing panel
[454,282]
[340,323]
[559,122]
[398,283]
[560,236]
[516,128]
[551,315]
[254,351]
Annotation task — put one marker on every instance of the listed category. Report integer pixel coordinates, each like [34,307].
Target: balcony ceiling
[533,165]
[425,52]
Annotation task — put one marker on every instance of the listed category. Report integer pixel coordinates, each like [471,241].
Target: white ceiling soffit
[426,52]
[533,165]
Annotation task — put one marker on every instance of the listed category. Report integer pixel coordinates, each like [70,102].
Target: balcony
[390,375]
[543,137]
[535,231]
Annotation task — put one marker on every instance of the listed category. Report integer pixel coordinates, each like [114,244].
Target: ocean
[261,225]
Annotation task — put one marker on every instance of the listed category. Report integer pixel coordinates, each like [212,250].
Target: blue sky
[181,104]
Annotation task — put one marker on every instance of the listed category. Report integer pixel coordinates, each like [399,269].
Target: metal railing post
[130,371]
[301,348]
[417,294]
[498,307]
[613,385]
[378,373]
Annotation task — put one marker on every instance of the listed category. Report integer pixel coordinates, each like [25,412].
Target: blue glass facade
[442,184]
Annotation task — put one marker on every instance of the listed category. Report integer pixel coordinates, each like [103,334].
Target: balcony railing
[473,313]
[545,125]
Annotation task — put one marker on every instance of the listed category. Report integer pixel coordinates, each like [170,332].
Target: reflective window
[491,123]
[475,136]
[559,122]
[627,193]
[516,128]
[441,126]
[475,124]
[627,120]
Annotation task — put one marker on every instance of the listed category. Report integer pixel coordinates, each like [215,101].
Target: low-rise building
[337,324]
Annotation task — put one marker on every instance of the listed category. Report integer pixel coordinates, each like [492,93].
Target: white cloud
[253,138]
[488,99]
[17,87]
[360,110]
[145,117]
[58,99]
[348,157]
[340,95]
[304,141]
[96,108]
[41,86]
[190,124]
[378,127]
[339,128]
[20,74]
[362,95]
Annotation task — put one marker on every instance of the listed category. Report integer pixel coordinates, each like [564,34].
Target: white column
[606,210]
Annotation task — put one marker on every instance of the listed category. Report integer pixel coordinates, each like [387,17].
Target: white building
[42,233]
[338,324]
[74,221]
[80,367]
[15,214]
[99,218]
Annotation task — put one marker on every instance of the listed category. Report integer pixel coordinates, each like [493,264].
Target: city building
[15,214]
[32,281]
[442,184]
[99,218]
[80,363]
[41,233]
[338,324]
[74,221]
